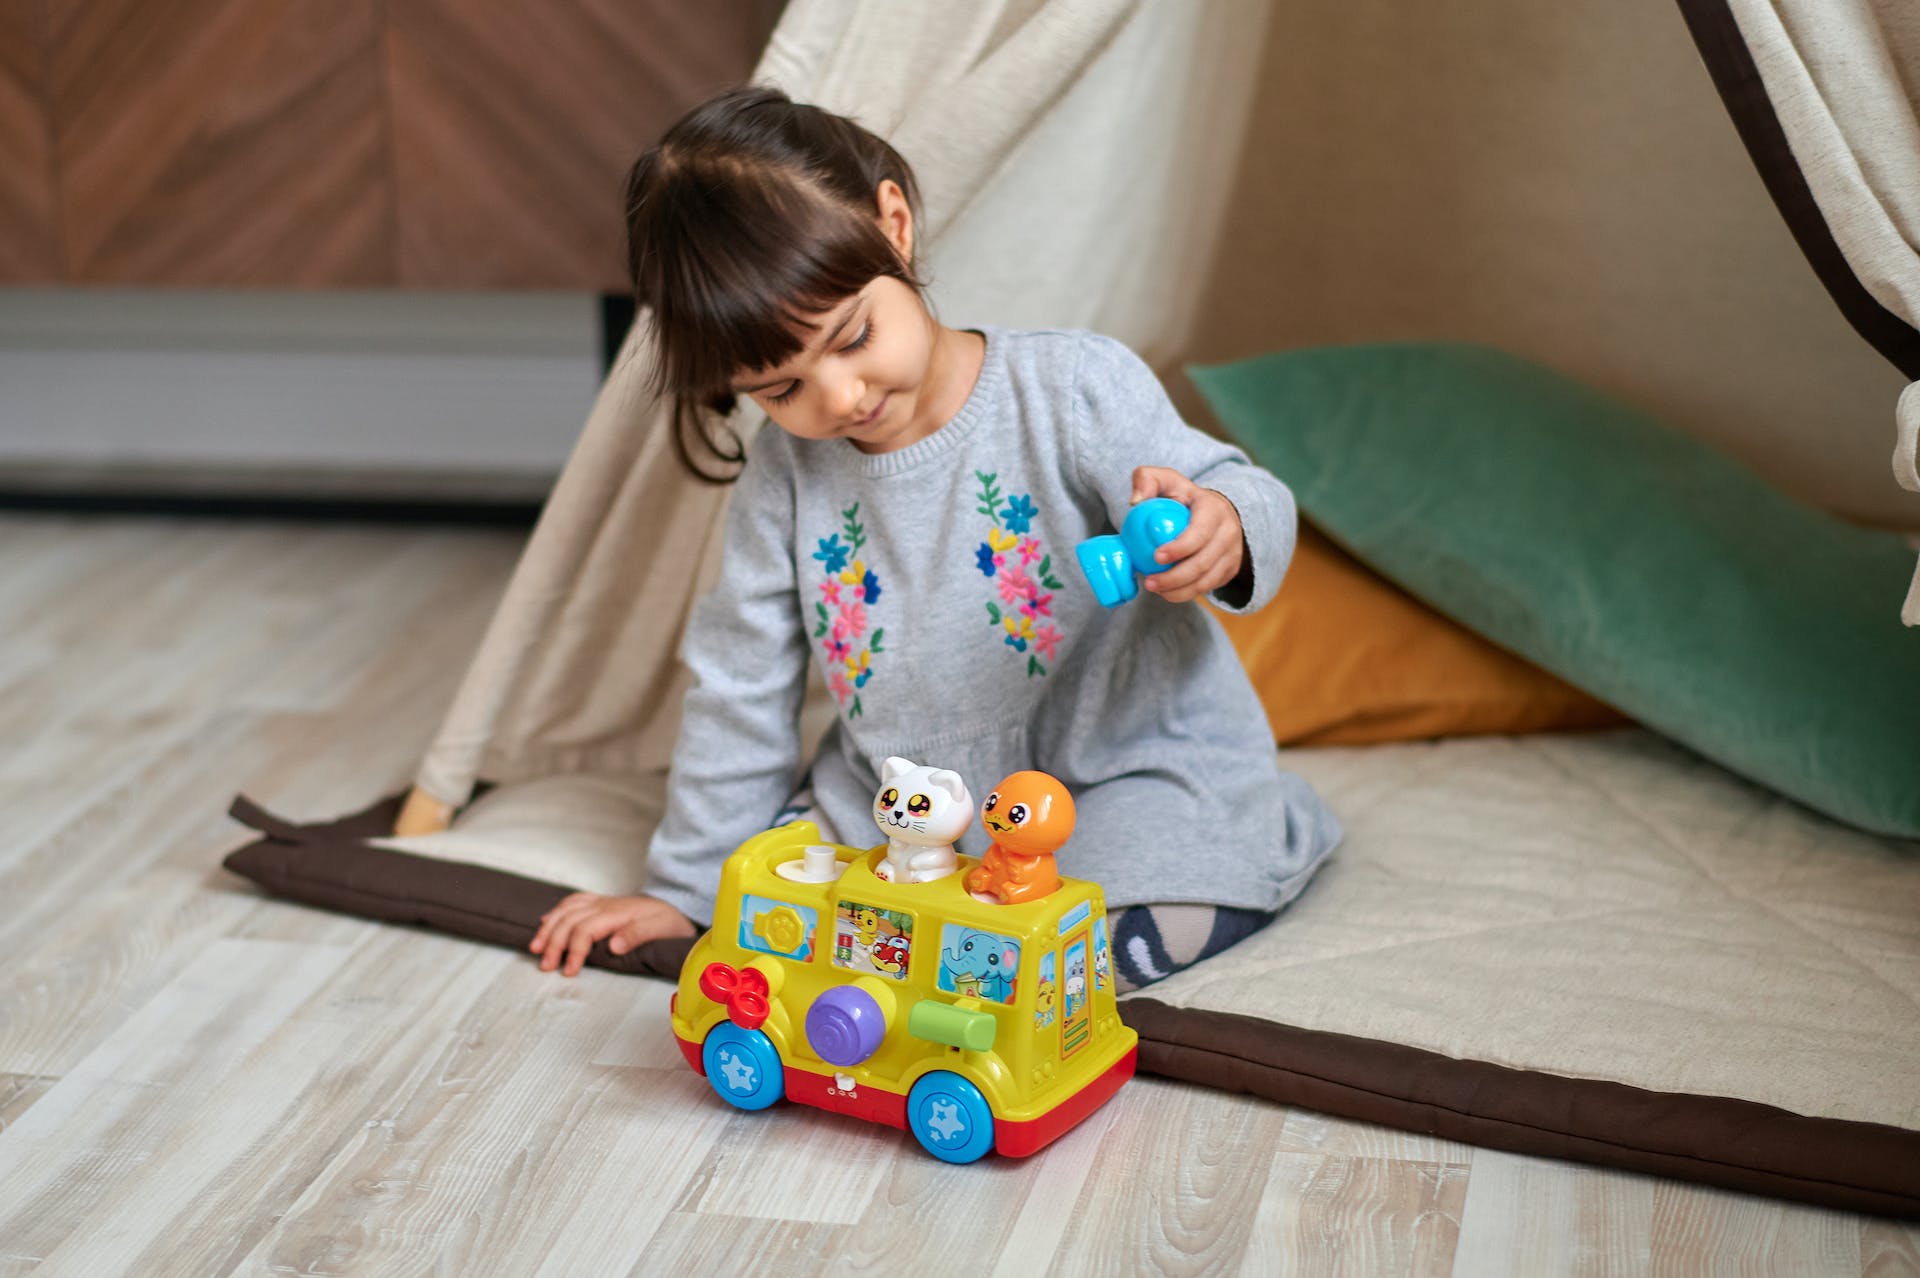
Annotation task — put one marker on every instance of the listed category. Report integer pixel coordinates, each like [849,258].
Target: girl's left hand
[1210,553]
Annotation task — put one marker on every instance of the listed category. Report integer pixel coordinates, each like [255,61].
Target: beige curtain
[1074,158]
[1844,80]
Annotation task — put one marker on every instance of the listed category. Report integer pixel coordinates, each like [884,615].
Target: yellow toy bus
[972,1024]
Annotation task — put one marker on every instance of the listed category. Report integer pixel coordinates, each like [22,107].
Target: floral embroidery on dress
[1022,614]
[848,589]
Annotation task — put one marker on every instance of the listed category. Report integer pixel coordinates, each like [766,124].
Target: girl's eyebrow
[846,318]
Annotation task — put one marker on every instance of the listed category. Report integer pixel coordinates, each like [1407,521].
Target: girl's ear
[895,218]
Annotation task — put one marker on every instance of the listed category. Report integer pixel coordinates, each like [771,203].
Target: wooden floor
[197,1080]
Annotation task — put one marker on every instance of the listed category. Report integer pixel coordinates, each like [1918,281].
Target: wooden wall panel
[221,142]
[514,125]
[29,208]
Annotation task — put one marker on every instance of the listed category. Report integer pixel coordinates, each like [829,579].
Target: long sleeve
[739,741]
[1123,419]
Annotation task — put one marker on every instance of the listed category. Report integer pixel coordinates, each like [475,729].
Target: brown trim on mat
[1735,1144]
[331,865]
[1730,63]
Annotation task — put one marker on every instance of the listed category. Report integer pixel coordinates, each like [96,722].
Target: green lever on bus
[939,1022]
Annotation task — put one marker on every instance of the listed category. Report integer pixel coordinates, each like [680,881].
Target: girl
[911,526]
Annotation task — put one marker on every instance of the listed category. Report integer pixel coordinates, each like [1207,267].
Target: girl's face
[865,374]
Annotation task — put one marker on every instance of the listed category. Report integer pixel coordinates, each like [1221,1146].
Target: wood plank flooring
[197,1080]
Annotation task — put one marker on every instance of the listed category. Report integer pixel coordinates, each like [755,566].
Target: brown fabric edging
[1730,63]
[331,865]
[1734,1144]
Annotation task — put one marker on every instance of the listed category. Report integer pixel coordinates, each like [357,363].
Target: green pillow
[1629,559]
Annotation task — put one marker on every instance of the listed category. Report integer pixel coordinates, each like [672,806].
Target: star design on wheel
[740,1074]
[943,1120]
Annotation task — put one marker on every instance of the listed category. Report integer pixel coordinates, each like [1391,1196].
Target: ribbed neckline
[980,401]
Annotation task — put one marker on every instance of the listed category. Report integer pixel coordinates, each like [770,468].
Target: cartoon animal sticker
[1102,961]
[872,940]
[978,964]
[1076,1022]
[1045,993]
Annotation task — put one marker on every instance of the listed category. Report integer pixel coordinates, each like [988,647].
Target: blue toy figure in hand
[902,534]
[1109,563]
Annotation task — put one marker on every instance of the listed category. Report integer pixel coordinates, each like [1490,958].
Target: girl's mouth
[874,416]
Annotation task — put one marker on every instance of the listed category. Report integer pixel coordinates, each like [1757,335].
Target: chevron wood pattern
[514,125]
[29,208]
[220,142]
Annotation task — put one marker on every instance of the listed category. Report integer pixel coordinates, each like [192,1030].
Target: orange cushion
[1344,657]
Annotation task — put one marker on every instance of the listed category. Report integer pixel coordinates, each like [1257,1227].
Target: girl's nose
[846,396]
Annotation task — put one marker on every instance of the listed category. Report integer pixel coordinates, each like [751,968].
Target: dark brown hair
[752,212]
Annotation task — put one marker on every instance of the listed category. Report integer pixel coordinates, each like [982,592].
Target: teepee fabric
[1074,159]
[1841,88]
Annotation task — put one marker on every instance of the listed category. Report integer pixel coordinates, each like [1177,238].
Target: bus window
[777,927]
[1102,964]
[1076,1019]
[1046,994]
[871,940]
[978,964]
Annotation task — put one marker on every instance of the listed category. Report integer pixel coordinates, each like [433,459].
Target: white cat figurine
[921,811]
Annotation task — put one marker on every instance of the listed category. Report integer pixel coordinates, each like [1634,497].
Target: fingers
[631,936]
[580,944]
[1206,569]
[1206,556]
[557,925]
[1160,481]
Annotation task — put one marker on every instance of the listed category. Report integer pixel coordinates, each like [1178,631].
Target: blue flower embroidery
[832,553]
[1016,643]
[984,556]
[871,586]
[1019,513]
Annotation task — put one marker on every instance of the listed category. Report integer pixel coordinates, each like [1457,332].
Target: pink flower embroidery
[836,650]
[1029,550]
[841,688]
[1044,640]
[1016,585]
[830,589]
[854,613]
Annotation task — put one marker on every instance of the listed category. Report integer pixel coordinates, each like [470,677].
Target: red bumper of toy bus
[877,1105]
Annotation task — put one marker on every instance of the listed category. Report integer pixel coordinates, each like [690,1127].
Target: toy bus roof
[945,898]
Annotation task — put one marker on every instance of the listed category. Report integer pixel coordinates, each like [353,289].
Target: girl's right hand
[569,929]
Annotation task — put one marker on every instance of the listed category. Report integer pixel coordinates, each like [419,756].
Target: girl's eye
[793,388]
[865,335]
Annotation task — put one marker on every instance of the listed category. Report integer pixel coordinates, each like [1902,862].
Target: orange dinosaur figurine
[1028,816]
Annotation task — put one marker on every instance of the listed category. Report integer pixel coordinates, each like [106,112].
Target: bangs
[755,255]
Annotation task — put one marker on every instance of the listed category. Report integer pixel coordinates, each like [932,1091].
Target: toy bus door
[1076,1016]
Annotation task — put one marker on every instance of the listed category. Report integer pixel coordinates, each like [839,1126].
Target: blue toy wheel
[744,1066]
[949,1117]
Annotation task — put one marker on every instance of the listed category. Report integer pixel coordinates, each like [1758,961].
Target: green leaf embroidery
[855,712]
[1051,584]
[856,532]
[825,621]
[989,496]
[993,613]
[873,645]
[1034,667]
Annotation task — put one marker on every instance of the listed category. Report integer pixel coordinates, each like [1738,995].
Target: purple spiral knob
[845,1025]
